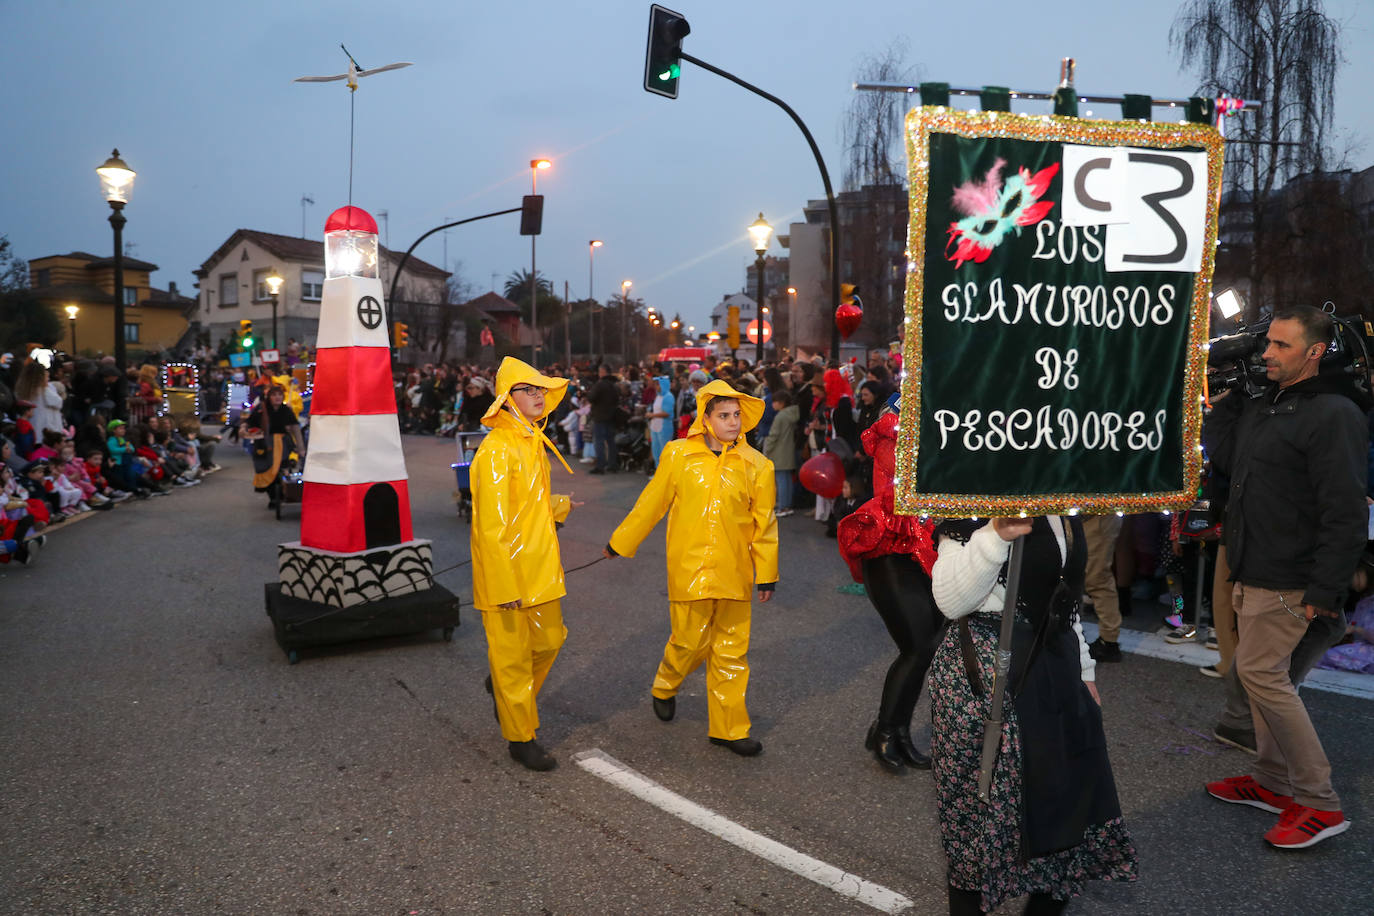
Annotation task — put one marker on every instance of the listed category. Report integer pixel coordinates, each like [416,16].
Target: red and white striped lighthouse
[355,496]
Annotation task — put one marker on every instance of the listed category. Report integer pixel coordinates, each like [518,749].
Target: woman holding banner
[1047,820]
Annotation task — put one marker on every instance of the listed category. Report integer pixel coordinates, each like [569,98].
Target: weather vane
[355,72]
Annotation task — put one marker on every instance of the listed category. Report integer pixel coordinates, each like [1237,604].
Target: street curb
[1346,683]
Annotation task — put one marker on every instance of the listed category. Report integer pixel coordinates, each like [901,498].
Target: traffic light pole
[825,179]
[391,294]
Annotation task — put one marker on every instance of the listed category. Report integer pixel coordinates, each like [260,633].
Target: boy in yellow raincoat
[718,493]
[517,574]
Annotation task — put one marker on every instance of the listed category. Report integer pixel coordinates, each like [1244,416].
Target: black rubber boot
[904,743]
[665,709]
[882,741]
[745,747]
[531,756]
[1044,905]
[965,903]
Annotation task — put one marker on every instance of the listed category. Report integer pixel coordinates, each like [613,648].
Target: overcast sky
[199,99]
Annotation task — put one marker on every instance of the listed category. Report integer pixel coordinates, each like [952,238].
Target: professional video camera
[1236,361]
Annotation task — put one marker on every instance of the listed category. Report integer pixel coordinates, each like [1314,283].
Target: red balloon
[823,475]
[847,318]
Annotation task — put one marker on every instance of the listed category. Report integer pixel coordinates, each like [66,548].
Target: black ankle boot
[882,741]
[904,744]
[530,755]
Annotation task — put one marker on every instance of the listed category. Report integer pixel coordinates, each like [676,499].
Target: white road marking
[601,764]
[1346,683]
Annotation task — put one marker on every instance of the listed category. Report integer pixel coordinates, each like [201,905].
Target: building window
[130,295]
[312,284]
[131,333]
[228,290]
[43,277]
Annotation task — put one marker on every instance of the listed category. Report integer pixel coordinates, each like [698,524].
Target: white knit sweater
[965,579]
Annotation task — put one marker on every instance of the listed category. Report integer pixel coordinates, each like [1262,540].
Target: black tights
[900,590]
[970,903]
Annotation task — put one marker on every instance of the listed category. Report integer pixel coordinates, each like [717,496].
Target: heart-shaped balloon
[847,318]
[823,475]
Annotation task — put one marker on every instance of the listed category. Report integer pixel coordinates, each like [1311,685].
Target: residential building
[233,287]
[155,320]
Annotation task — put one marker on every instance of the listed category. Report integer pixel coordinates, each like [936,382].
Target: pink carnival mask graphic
[992,209]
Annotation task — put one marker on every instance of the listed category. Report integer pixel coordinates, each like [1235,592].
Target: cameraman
[1295,530]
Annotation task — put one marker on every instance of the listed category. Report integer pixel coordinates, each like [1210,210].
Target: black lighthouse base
[304,624]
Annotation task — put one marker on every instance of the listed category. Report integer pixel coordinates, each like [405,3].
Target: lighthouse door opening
[381,516]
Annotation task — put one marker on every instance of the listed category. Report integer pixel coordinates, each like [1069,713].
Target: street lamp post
[71,317]
[792,321]
[591,300]
[535,166]
[116,182]
[274,282]
[760,232]
[624,320]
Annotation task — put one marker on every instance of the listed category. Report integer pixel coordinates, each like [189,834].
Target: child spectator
[25,438]
[17,538]
[95,471]
[52,440]
[74,471]
[780,447]
[42,501]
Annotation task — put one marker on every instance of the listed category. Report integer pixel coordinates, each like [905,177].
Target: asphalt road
[160,755]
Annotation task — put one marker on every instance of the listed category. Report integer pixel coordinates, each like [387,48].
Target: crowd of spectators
[79,436]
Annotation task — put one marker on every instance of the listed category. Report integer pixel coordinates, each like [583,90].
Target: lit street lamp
[71,317]
[591,266]
[535,166]
[761,233]
[274,282]
[117,182]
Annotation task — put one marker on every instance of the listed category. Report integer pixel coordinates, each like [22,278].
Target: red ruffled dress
[874,529]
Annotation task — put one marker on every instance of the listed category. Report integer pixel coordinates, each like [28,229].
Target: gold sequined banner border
[920,124]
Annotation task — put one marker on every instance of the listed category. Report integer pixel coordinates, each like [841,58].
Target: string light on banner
[181,380]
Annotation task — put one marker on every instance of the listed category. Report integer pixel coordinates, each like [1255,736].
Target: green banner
[1057,313]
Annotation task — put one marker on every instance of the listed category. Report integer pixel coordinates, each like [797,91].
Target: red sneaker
[1243,790]
[1300,827]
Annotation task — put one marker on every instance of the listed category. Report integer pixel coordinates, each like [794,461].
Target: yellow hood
[513,372]
[750,408]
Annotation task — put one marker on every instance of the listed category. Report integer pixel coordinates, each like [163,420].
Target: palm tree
[517,287]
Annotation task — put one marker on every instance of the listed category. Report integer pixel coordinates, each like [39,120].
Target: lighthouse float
[357,571]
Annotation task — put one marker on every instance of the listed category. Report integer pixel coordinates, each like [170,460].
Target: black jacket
[604,399]
[1296,517]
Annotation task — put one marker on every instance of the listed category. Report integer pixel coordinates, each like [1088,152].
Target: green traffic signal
[248,343]
[664,51]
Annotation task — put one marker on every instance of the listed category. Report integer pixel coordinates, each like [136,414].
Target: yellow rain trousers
[722,539]
[515,555]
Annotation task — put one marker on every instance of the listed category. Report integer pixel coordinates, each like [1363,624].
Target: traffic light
[400,332]
[662,58]
[531,214]
[246,333]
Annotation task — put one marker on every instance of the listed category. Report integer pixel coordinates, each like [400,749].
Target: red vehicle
[684,354]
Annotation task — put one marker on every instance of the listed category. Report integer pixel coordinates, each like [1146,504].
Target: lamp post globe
[116,186]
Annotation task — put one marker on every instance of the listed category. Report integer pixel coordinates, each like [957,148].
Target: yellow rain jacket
[722,534]
[514,546]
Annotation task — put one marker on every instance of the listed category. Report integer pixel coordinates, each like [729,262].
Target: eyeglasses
[531,390]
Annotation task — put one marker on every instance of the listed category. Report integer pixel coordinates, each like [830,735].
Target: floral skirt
[983,841]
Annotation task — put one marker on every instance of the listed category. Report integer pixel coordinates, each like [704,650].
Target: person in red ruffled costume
[892,556]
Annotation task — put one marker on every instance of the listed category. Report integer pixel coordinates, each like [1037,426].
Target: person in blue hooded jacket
[660,416]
